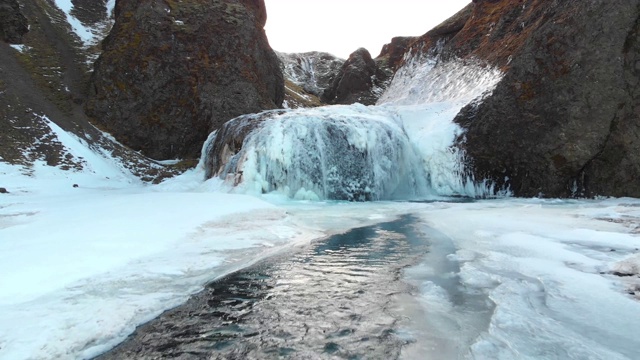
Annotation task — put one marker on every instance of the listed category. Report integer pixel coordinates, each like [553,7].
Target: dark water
[332,299]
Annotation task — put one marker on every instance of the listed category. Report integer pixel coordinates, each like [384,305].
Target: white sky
[342,26]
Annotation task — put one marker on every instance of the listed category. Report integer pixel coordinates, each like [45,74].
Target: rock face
[306,76]
[393,52]
[565,118]
[173,71]
[89,12]
[45,83]
[312,71]
[12,23]
[360,80]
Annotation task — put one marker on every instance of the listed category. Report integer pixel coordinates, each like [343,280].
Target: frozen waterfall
[400,149]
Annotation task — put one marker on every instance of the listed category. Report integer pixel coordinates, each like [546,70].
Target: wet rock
[622,274]
[171,72]
[360,80]
[13,24]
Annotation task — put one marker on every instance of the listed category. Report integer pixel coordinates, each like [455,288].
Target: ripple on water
[330,300]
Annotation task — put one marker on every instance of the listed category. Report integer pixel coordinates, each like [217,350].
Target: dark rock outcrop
[312,71]
[12,23]
[89,12]
[307,75]
[360,80]
[393,52]
[173,71]
[565,118]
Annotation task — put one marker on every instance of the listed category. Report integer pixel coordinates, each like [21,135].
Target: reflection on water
[331,300]
[340,298]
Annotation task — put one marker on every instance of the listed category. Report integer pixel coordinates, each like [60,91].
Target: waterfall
[403,148]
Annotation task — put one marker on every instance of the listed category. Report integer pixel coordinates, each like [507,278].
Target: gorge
[485,172]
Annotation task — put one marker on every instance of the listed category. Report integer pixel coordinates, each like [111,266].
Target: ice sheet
[547,267]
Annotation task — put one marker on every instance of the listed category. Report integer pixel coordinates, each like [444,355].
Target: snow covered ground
[81,267]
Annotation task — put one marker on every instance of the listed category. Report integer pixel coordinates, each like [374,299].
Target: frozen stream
[341,297]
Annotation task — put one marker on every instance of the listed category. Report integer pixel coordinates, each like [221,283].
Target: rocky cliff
[360,80]
[312,71]
[172,71]
[12,23]
[316,78]
[306,76]
[564,120]
[43,84]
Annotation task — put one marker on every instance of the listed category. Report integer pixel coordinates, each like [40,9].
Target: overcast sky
[341,26]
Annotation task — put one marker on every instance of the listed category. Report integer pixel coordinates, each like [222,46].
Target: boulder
[173,71]
[12,23]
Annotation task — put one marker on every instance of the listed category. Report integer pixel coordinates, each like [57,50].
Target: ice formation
[343,152]
[400,149]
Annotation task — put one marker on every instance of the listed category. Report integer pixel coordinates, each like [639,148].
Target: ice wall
[354,153]
[402,148]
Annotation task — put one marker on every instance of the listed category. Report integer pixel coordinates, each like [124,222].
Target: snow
[88,35]
[111,4]
[19,47]
[84,33]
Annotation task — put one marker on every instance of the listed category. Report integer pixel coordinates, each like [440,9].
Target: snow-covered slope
[92,31]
